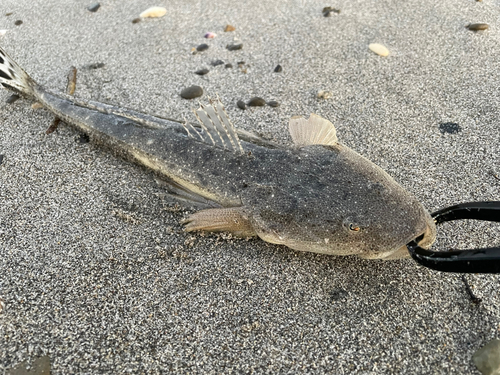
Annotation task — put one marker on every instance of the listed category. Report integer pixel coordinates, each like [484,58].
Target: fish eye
[354,228]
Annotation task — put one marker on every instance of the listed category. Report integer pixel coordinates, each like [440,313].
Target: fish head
[343,204]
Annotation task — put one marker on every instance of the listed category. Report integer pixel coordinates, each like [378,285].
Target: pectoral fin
[314,131]
[220,220]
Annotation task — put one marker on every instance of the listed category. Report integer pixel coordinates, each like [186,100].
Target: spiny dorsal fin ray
[215,122]
[314,131]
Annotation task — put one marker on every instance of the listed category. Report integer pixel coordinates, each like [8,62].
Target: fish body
[317,195]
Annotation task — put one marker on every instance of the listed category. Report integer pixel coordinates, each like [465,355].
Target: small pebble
[136,20]
[153,12]
[217,62]
[278,69]
[450,128]
[93,7]
[18,22]
[256,102]
[240,63]
[9,14]
[11,99]
[210,35]
[1,159]
[202,47]
[241,104]
[36,105]
[229,28]
[202,72]
[379,49]
[322,94]
[478,26]
[234,47]
[228,66]
[83,138]
[327,11]
[273,103]
[3,32]
[192,92]
[95,66]
[487,359]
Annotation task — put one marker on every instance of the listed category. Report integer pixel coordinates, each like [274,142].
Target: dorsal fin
[314,131]
[216,124]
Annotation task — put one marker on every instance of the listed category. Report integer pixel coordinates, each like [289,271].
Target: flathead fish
[317,195]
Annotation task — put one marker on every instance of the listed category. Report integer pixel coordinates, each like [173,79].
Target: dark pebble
[11,99]
[450,128]
[9,14]
[18,22]
[234,47]
[228,66]
[136,20]
[201,72]
[202,47]
[478,26]
[93,7]
[192,92]
[83,138]
[1,159]
[256,102]
[95,66]
[217,62]
[278,69]
[241,63]
[241,104]
[327,11]
[273,103]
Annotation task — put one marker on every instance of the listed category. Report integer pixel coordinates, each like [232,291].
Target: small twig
[469,291]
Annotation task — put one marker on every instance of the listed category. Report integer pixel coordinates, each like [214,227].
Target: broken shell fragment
[153,12]
[322,94]
[229,28]
[210,35]
[379,49]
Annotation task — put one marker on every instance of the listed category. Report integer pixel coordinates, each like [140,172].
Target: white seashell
[379,49]
[3,32]
[153,12]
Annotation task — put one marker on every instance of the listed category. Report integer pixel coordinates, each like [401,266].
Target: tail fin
[13,77]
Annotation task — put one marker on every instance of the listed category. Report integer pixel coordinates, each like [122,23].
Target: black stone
[202,72]
[273,103]
[95,66]
[136,20]
[234,47]
[217,62]
[11,99]
[202,47]
[93,7]
[278,69]
[18,22]
[192,92]
[241,63]
[327,11]
[241,104]
[83,138]
[450,128]
[256,102]
[228,66]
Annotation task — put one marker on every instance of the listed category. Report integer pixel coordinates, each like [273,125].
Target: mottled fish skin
[323,198]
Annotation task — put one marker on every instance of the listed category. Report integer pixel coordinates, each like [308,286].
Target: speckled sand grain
[95,271]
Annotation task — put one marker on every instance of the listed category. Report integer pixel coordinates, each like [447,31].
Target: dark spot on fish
[1,59]
[11,99]
[4,75]
[83,138]
[1,159]
[449,127]
[18,22]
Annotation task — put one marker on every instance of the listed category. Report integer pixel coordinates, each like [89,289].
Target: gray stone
[487,359]
[192,92]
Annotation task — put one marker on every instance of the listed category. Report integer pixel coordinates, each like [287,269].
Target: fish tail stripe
[13,77]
